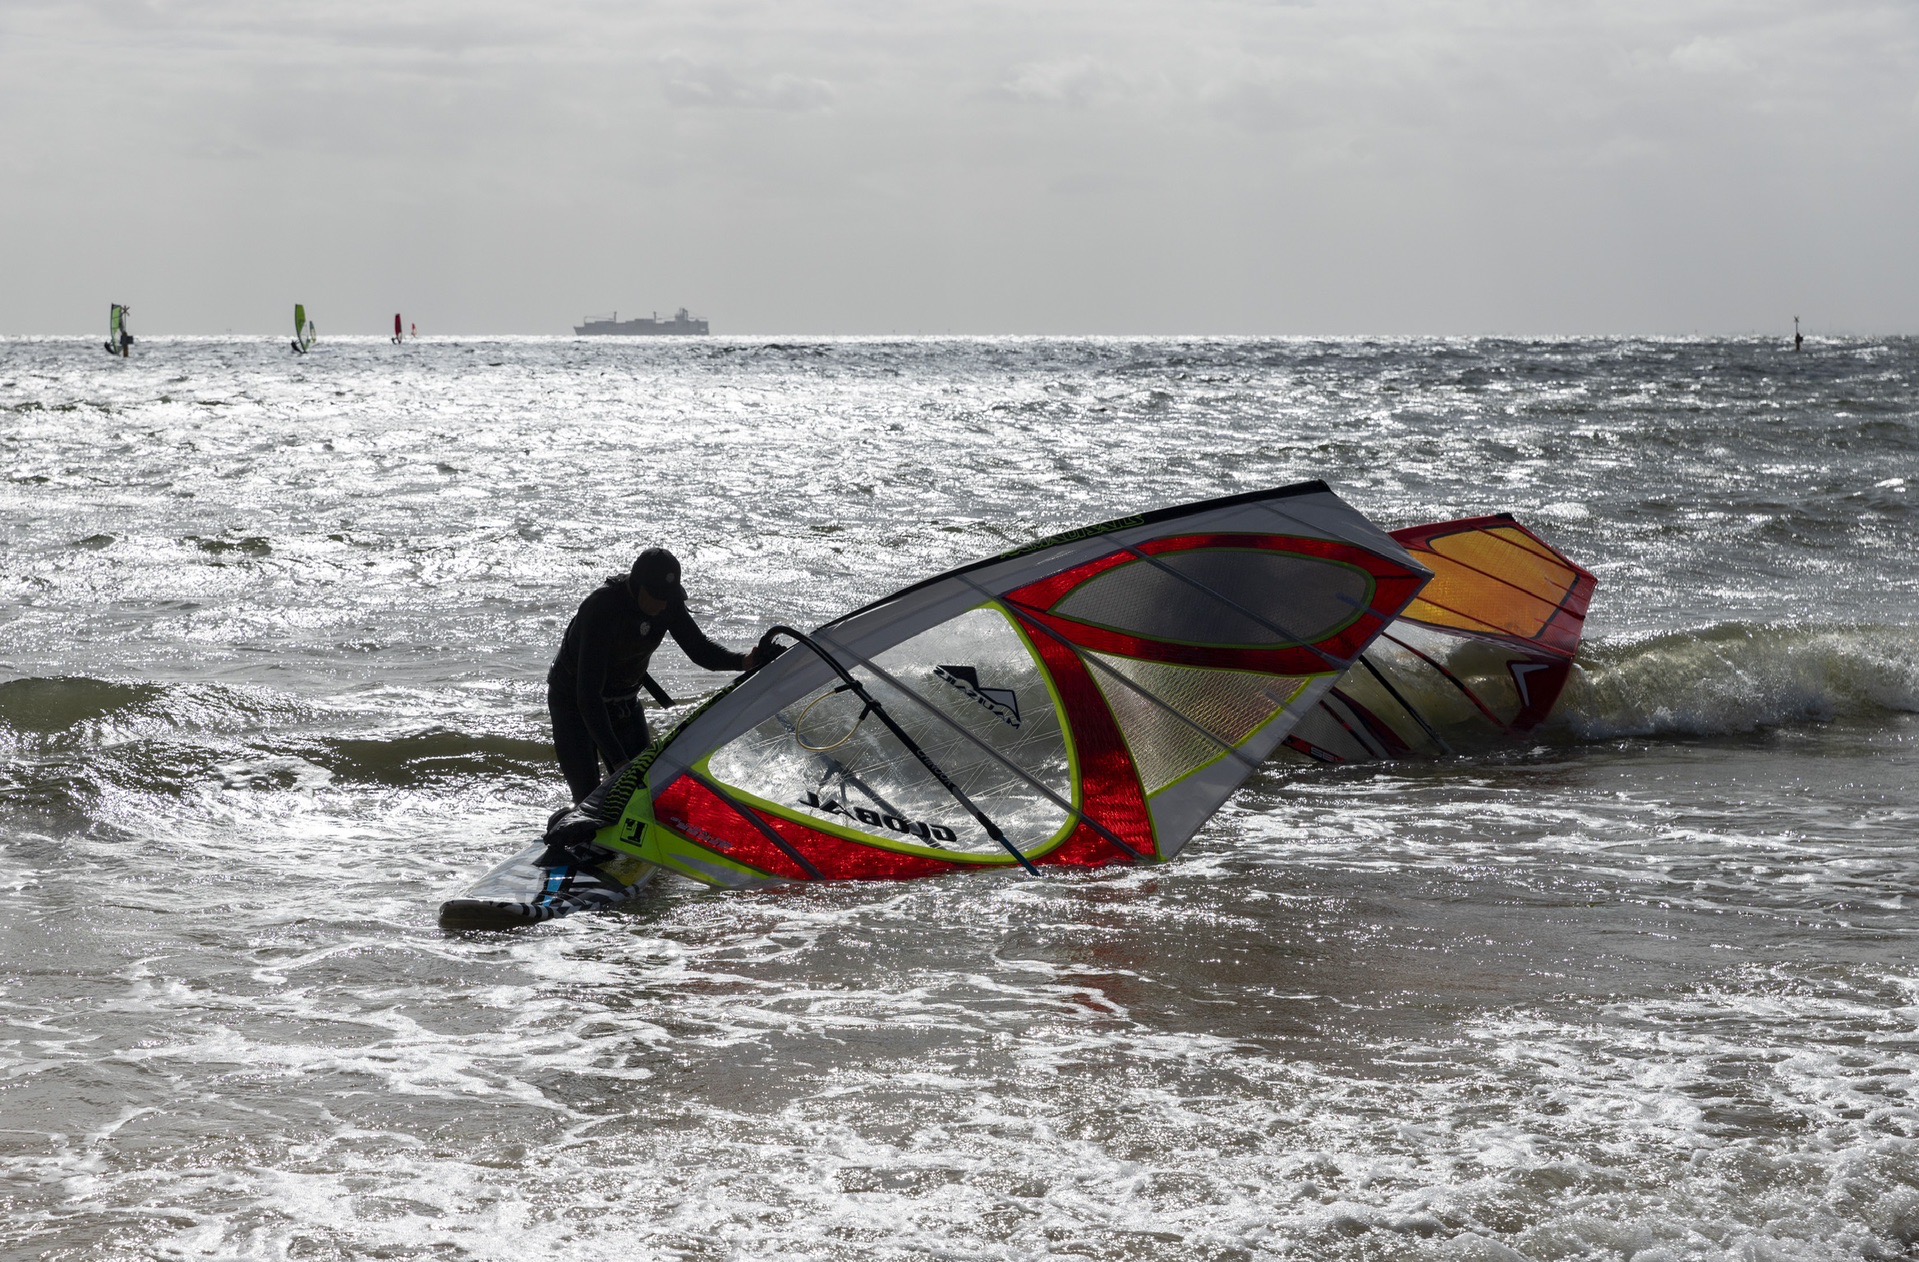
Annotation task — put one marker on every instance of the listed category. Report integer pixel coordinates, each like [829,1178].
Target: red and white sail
[1091,699]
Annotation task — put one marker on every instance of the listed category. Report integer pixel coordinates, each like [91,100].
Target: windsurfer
[592,691]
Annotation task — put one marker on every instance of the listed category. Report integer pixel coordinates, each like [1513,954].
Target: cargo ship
[644,326]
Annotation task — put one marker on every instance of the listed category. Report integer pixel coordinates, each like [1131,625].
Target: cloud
[1254,103]
[691,84]
[1072,81]
[1708,56]
[854,164]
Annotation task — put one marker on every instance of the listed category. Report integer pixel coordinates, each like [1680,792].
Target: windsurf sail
[396,328]
[1089,699]
[303,333]
[1485,649]
[119,340]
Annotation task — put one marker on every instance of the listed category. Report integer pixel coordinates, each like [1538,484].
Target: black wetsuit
[593,688]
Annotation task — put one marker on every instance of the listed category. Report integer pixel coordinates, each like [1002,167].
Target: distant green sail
[303,334]
[118,341]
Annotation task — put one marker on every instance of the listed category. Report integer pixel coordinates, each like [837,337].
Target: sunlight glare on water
[272,686]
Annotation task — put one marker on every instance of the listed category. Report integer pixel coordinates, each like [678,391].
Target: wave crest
[48,707]
[1739,677]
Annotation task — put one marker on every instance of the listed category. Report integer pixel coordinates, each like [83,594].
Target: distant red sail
[396,326]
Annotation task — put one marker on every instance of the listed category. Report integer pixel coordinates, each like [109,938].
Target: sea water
[273,632]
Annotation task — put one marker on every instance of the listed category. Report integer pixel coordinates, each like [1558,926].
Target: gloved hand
[569,837]
[764,653]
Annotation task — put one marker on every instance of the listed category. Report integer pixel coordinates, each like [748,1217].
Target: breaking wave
[68,742]
[65,739]
[75,710]
[409,759]
[54,707]
[1737,677]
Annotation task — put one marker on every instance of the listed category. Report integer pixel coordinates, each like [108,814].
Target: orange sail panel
[1486,647]
[1492,576]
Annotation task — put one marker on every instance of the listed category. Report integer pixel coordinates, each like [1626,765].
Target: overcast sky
[1037,166]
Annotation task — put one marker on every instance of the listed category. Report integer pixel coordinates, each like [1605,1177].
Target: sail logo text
[1001,703]
[931,834]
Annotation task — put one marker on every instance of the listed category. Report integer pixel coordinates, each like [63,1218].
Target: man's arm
[589,683]
[702,651]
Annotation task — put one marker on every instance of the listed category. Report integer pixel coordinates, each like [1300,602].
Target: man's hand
[763,654]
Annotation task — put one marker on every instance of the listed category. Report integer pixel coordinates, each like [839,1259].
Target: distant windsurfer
[119,341]
[592,691]
[1797,341]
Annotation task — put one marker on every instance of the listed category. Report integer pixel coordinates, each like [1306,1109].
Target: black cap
[658,571]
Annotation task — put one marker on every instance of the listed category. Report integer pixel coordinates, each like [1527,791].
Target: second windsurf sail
[1483,653]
